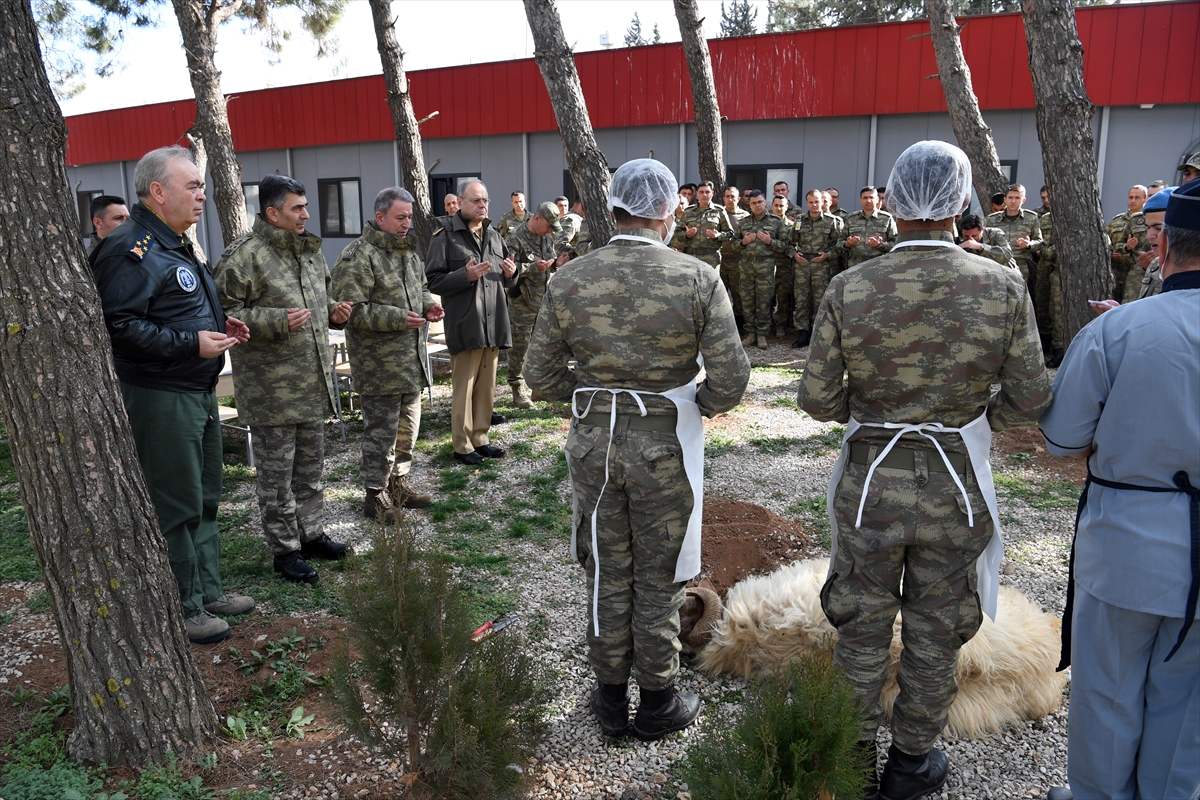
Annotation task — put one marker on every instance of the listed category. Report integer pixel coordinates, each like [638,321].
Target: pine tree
[739,20]
[657,37]
[633,34]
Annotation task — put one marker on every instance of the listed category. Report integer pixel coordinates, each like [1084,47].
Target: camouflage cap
[549,212]
[1190,160]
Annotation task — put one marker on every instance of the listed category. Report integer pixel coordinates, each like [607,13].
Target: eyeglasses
[479,201]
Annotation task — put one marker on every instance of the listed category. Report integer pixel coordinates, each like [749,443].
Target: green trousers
[178,439]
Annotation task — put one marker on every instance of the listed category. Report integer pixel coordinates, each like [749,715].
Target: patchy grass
[774,445]
[1040,552]
[1044,495]
[717,442]
[17,559]
[814,511]
[247,566]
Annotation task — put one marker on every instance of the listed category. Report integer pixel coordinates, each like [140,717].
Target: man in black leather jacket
[169,338]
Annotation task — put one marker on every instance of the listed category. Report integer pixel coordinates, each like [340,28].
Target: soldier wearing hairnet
[637,318]
[905,351]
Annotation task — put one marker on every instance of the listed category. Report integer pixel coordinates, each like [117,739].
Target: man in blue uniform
[1134,726]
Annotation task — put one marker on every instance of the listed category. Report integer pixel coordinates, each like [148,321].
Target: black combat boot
[293,567]
[802,340]
[1055,360]
[870,755]
[664,711]
[610,703]
[908,777]
[325,549]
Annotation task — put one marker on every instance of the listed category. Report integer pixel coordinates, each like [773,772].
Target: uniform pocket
[978,504]
[970,608]
[662,456]
[836,602]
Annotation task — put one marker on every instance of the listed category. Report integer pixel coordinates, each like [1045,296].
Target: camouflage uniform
[564,241]
[757,267]
[731,257]
[918,335]
[1125,264]
[583,239]
[1042,211]
[509,222]
[283,382]
[785,279]
[1048,263]
[994,245]
[840,213]
[634,316]
[525,248]
[384,277]
[1149,286]
[712,218]
[1024,225]
[881,224]
[811,237]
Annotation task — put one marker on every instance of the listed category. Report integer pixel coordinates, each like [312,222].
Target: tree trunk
[198,23]
[1064,124]
[135,688]
[412,159]
[587,164]
[704,94]
[973,134]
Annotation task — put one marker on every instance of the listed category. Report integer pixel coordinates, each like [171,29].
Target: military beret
[549,212]
[1183,207]
[1158,200]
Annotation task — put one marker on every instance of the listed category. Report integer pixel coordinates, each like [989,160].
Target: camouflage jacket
[842,213]
[1151,283]
[730,250]
[1048,254]
[712,218]
[1042,211]
[756,252]
[526,248]
[811,237]
[280,377]
[510,222]
[994,245]
[564,242]
[921,335]
[1124,226]
[583,239]
[881,224]
[1025,225]
[635,316]
[383,276]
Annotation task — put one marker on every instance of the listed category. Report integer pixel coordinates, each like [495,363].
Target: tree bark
[198,23]
[408,135]
[1064,124]
[135,688]
[589,168]
[704,94]
[973,134]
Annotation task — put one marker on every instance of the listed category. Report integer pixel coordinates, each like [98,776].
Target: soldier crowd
[913,313]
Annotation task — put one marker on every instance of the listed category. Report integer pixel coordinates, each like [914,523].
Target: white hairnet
[645,188]
[931,180]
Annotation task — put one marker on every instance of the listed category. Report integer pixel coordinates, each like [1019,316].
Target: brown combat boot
[762,342]
[378,506]
[748,340]
[402,494]
[519,398]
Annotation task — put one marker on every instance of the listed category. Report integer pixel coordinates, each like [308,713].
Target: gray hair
[155,166]
[463,189]
[1183,246]
[385,199]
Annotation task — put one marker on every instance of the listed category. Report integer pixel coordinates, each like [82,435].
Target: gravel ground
[765,452]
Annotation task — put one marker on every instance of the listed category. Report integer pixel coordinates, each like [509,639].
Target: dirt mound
[1026,446]
[741,539]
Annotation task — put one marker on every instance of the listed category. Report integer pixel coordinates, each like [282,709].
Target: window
[250,193]
[84,204]
[765,176]
[442,185]
[341,207]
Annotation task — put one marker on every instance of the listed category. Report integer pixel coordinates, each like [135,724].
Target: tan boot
[748,340]
[406,496]
[378,506]
[762,342]
[519,398]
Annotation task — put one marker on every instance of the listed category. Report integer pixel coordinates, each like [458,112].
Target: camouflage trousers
[1057,328]
[713,259]
[1121,268]
[640,528]
[291,498]
[758,293]
[1133,283]
[390,427]
[731,277]
[784,285]
[521,317]
[809,283]
[1042,311]
[915,554]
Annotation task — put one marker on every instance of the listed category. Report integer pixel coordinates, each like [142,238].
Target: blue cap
[1183,207]
[1158,200]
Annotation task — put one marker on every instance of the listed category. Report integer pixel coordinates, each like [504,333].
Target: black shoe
[489,451]
[611,709]
[325,549]
[498,419]
[663,712]
[293,567]
[470,459]
[1059,793]
[802,340]
[870,754]
[911,777]
[1055,360]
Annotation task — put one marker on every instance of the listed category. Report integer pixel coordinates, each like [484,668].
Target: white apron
[977,436]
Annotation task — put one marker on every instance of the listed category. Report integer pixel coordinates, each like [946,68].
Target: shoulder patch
[141,246]
[237,243]
[351,250]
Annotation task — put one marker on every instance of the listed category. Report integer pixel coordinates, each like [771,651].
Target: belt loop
[621,428]
[871,453]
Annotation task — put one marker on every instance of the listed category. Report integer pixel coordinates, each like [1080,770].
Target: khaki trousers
[473,380]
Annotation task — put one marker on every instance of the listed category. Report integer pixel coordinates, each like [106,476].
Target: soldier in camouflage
[532,247]
[514,218]
[761,238]
[785,274]
[1127,232]
[275,279]
[1048,261]
[868,233]
[835,208]
[633,316]
[569,222]
[1150,284]
[730,255]
[984,241]
[813,239]
[384,277]
[915,338]
[1044,208]
[704,229]
[1024,233]
[791,210]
